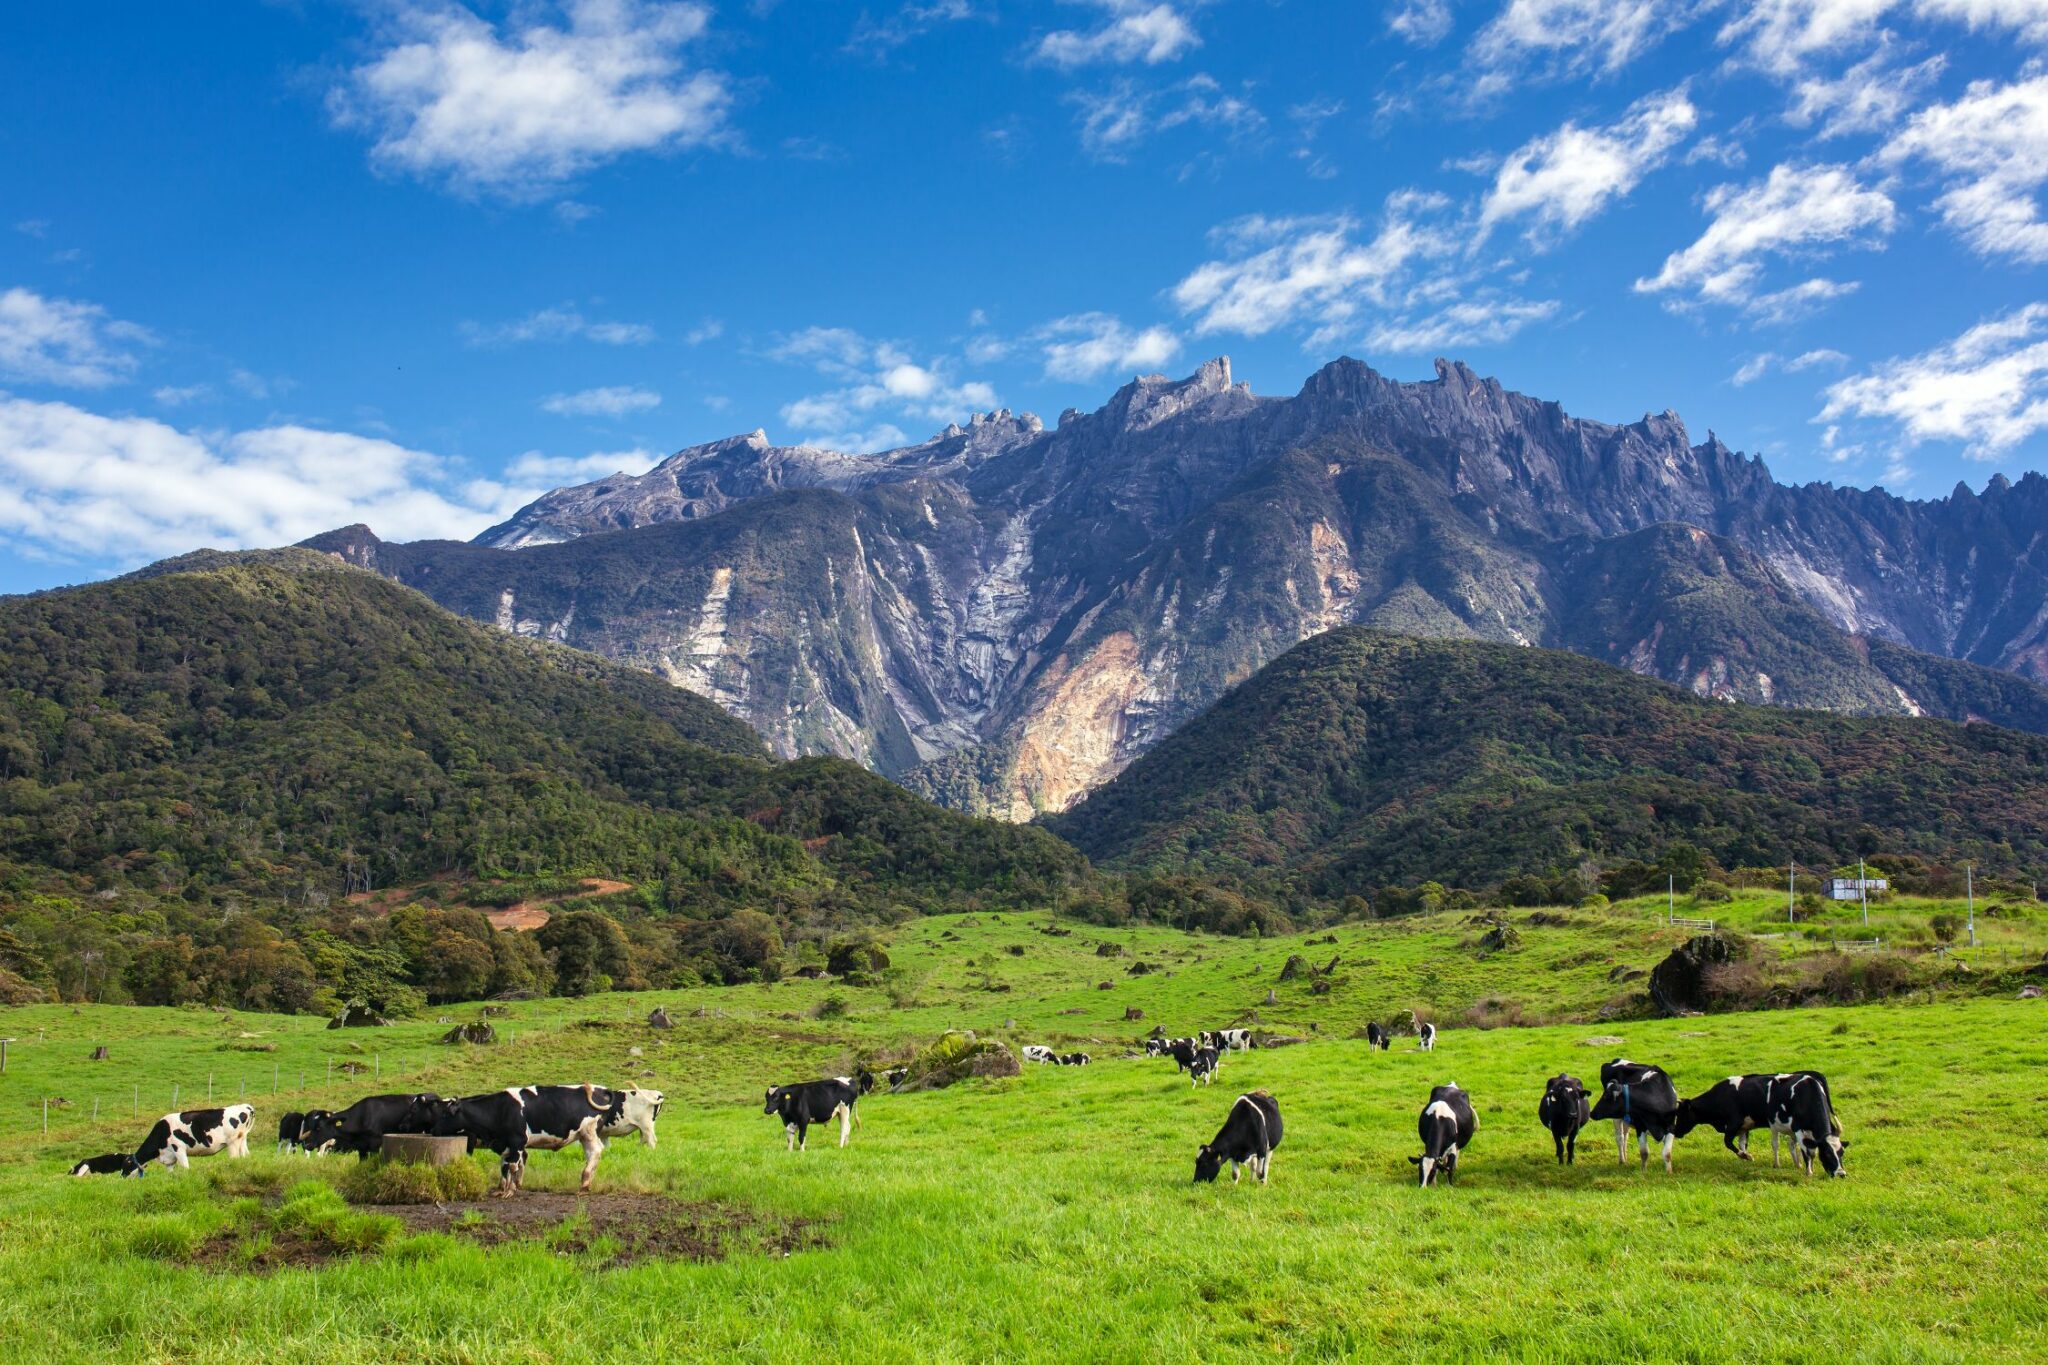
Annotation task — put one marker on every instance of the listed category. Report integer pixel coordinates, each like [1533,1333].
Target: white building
[1854,888]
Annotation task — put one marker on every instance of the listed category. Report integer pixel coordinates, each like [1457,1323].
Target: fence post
[95,1111]
[174,1097]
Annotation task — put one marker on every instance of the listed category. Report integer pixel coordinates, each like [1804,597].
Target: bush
[378,1181]
[1596,901]
[1945,927]
[833,1006]
[1712,893]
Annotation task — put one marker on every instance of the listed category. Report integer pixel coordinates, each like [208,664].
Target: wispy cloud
[1424,23]
[877,384]
[1757,366]
[65,342]
[877,37]
[1552,39]
[1993,146]
[556,324]
[1988,388]
[1561,179]
[516,110]
[612,401]
[1470,322]
[1087,345]
[1116,120]
[1133,32]
[554,471]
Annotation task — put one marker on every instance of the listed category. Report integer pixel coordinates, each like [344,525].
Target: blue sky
[291,265]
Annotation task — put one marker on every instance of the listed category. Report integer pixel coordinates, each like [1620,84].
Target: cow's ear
[1414,1161]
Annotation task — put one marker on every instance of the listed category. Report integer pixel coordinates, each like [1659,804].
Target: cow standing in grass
[1425,1037]
[1202,1068]
[197,1132]
[361,1127]
[1642,1097]
[114,1163]
[637,1111]
[1794,1104]
[1564,1110]
[1377,1038]
[1250,1133]
[1446,1128]
[514,1121]
[800,1106]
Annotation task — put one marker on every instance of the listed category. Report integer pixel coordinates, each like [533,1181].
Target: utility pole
[1970,884]
[1670,897]
[1863,890]
[1791,875]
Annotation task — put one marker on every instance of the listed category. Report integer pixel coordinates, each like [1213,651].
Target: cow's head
[774,1094]
[1613,1102]
[1831,1152]
[863,1080]
[1561,1097]
[320,1131]
[1208,1161]
[1439,1143]
[1686,1119]
[441,1118]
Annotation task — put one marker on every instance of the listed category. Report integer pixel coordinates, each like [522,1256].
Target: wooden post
[3,1055]
[95,1111]
[174,1097]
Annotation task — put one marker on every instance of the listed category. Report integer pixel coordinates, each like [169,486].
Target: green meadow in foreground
[1052,1216]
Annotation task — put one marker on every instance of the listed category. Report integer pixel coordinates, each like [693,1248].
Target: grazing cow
[638,1109]
[197,1132]
[307,1122]
[1564,1111]
[1641,1097]
[1446,1129]
[896,1075]
[114,1163]
[1072,1059]
[1037,1052]
[1226,1039]
[1249,1134]
[361,1127]
[800,1106]
[513,1121]
[288,1130]
[1155,1047]
[1202,1067]
[1183,1051]
[1425,1037]
[1377,1037]
[1794,1104]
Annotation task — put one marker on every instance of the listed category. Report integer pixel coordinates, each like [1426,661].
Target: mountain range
[1004,616]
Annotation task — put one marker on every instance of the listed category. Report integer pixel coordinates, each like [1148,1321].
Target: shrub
[1945,927]
[1712,893]
[1596,901]
[833,1006]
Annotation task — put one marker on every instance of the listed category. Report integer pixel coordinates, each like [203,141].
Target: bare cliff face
[1005,615]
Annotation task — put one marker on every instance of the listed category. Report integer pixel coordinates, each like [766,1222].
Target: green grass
[1052,1216]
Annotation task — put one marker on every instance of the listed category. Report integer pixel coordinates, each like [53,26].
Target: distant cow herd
[1796,1107]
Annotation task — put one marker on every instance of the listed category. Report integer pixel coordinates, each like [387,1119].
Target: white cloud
[1757,366]
[1277,272]
[1424,23]
[711,329]
[1987,389]
[1753,369]
[1134,32]
[556,324]
[877,38]
[1116,120]
[1784,37]
[133,488]
[2028,18]
[63,342]
[1561,179]
[176,396]
[1993,145]
[1868,97]
[1576,37]
[1083,346]
[1470,322]
[873,378]
[554,471]
[611,401]
[517,110]
[1795,210]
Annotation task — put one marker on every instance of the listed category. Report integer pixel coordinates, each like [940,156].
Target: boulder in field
[1678,984]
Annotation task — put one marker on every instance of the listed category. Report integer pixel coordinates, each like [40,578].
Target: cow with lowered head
[1564,1110]
[1445,1127]
[799,1106]
[1377,1038]
[361,1127]
[1795,1104]
[1202,1067]
[1639,1096]
[114,1163]
[197,1132]
[513,1121]
[1250,1133]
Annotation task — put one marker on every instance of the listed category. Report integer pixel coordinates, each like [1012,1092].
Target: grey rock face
[1004,615]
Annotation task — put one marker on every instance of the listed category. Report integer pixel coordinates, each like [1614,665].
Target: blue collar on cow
[1624,1103]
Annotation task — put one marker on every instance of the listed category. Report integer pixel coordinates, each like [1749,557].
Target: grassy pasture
[1052,1216]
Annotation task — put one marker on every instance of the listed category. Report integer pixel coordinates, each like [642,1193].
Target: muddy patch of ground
[631,1227]
[232,1251]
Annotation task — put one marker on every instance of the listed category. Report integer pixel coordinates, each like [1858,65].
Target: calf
[1446,1129]
[1425,1037]
[637,1111]
[114,1163]
[1072,1059]
[289,1128]
[1377,1037]
[1641,1097]
[1249,1134]
[1791,1103]
[1035,1052]
[361,1127]
[197,1132]
[1564,1111]
[1227,1039]
[1202,1068]
[800,1106]
[514,1121]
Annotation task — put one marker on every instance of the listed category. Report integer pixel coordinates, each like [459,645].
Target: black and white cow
[1377,1037]
[1564,1110]
[1425,1037]
[361,1127]
[289,1129]
[1250,1133]
[1642,1097]
[307,1122]
[197,1132]
[637,1111]
[800,1106]
[1446,1129]
[1202,1067]
[1794,1104]
[1071,1059]
[1155,1047]
[1038,1052]
[1227,1039]
[114,1163]
[516,1120]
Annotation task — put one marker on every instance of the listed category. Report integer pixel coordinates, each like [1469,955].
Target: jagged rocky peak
[1151,399]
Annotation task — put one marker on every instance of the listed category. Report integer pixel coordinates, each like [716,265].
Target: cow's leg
[1774,1149]
[184,1160]
[1233,1172]
[1558,1142]
[1265,1167]
[1571,1149]
[593,1148]
[1669,1139]
[1733,1142]
[1621,1141]
[854,1109]
[845,1115]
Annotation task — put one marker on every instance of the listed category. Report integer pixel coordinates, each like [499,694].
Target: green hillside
[1361,759]
[207,758]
